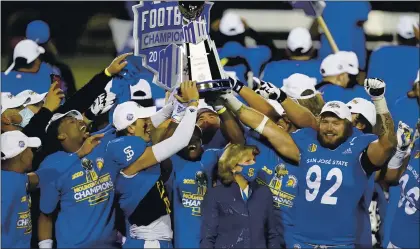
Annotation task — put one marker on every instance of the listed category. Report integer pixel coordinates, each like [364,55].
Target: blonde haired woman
[239,213]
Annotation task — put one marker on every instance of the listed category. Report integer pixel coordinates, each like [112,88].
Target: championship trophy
[202,60]
[172,39]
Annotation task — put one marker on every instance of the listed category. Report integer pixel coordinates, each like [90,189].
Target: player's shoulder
[11,177]
[361,139]
[212,153]
[55,160]
[123,141]
[305,134]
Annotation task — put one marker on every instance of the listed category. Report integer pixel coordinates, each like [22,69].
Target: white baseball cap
[405,27]
[34,97]
[299,38]
[352,61]
[73,113]
[8,101]
[15,142]
[277,106]
[27,49]
[231,24]
[338,108]
[297,83]
[335,64]
[128,112]
[363,107]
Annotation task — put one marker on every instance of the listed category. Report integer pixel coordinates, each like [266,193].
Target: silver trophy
[200,61]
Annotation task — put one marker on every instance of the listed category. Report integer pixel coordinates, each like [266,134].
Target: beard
[326,144]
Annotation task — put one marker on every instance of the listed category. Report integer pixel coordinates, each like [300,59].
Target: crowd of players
[258,166]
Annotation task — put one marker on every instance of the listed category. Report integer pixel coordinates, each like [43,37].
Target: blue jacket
[230,222]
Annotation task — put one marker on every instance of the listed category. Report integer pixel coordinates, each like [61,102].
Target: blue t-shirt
[16,82]
[16,223]
[405,227]
[342,18]
[276,71]
[86,195]
[124,151]
[192,179]
[331,92]
[406,110]
[364,230]
[218,141]
[281,178]
[332,183]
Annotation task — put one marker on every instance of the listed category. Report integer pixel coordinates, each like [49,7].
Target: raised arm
[401,157]
[299,115]
[279,139]
[229,125]
[380,150]
[84,98]
[180,139]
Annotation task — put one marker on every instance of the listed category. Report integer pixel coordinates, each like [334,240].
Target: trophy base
[213,87]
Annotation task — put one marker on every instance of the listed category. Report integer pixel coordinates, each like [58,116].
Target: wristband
[237,87]
[47,243]
[107,73]
[380,106]
[219,112]
[192,101]
[261,126]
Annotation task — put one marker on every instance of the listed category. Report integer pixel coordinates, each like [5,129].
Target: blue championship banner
[157,28]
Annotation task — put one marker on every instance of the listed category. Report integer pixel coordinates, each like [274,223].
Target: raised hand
[54,97]
[404,136]
[118,64]
[375,87]
[189,92]
[265,89]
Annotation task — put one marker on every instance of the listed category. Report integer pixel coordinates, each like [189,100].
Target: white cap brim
[13,103]
[73,113]
[34,142]
[34,99]
[145,112]
[352,70]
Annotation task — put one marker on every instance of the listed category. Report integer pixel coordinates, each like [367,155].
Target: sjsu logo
[312,147]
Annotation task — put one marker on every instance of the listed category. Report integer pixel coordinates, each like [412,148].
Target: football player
[16,156]
[140,186]
[405,226]
[333,158]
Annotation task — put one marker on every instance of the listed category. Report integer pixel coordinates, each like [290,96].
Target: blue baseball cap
[38,31]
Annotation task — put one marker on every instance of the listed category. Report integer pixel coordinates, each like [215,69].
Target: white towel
[159,229]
